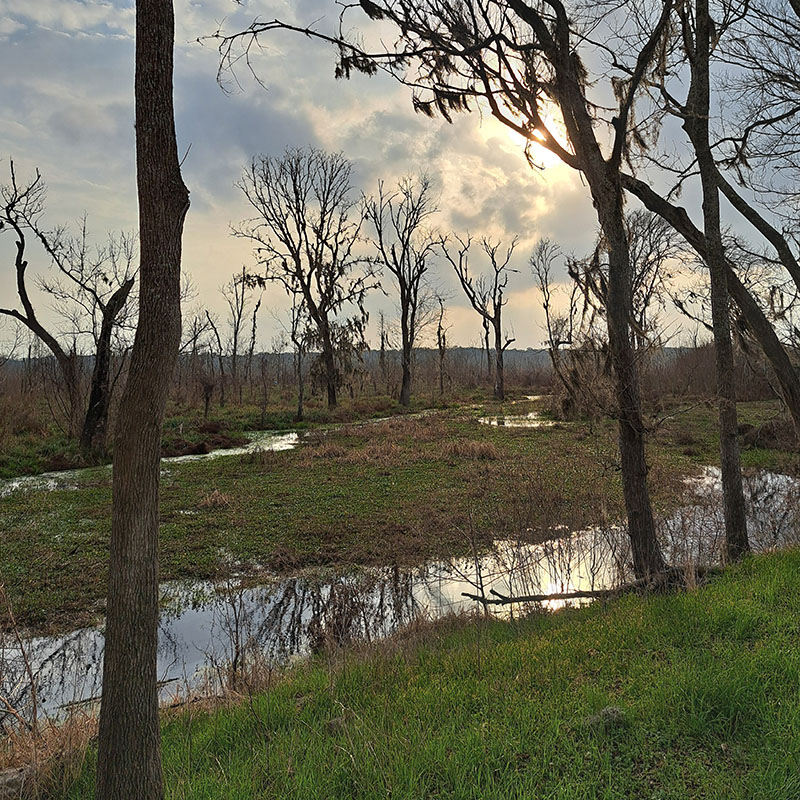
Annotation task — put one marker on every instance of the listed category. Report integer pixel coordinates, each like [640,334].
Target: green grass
[37,444]
[363,495]
[693,695]
[388,493]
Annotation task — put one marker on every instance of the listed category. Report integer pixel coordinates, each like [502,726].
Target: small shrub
[215,499]
[477,451]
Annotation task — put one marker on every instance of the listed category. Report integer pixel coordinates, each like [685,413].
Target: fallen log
[674,577]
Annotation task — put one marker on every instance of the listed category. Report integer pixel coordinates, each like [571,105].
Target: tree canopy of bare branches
[306,231]
[405,246]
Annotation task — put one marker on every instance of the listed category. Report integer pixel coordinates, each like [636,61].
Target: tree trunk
[647,558]
[329,360]
[300,387]
[757,322]
[485,323]
[696,125]
[129,761]
[95,424]
[499,377]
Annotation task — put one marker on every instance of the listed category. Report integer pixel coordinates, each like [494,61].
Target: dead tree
[92,291]
[486,294]
[441,342]
[128,751]
[305,232]
[405,248]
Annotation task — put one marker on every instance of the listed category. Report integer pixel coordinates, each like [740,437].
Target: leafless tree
[306,230]
[129,753]
[441,341]
[91,290]
[405,247]
[238,295]
[486,293]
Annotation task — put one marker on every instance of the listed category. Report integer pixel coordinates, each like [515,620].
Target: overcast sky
[66,85]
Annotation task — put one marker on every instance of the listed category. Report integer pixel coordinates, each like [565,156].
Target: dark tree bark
[129,760]
[95,424]
[696,118]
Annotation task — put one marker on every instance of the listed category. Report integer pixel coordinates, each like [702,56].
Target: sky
[66,87]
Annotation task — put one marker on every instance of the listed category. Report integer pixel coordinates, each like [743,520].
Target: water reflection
[258,441]
[531,420]
[209,631]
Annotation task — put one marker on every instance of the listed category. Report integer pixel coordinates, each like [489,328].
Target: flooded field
[210,630]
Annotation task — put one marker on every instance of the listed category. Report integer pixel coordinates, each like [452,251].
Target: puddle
[206,627]
[532,420]
[71,478]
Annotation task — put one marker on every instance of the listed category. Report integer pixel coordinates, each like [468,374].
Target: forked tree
[405,246]
[90,290]
[486,294]
[129,750]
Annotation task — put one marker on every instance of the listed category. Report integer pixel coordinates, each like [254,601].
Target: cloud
[66,76]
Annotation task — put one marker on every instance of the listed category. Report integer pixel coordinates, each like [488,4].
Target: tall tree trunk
[329,361]
[696,125]
[129,759]
[647,558]
[485,323]
[407,345]
[757,322]
[405,386]
[499,378]
[300,386]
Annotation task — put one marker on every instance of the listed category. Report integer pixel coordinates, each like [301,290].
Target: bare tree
[405,248]
[129,757]
[91,291]
[441,341]
[238,297]
[305,233]
[486,293]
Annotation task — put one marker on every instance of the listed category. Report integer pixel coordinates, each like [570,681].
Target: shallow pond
[205,628]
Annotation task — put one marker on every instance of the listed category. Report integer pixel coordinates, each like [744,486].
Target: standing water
[208,627]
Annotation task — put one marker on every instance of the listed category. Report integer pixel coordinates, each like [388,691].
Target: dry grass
[215,499]
[470,450]
[50,757]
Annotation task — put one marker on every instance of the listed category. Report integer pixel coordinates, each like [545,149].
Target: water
[71,478]
[530,420]
[206,627]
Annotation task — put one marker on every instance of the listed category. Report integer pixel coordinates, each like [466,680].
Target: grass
[693,695]
[31,442]
[397,491]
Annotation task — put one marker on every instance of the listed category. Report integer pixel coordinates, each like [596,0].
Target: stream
[207,627]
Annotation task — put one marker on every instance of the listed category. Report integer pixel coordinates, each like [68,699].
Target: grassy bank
[694,695]
[398,491]
[35,443]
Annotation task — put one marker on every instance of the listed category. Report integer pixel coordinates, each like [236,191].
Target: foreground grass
[695,695]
